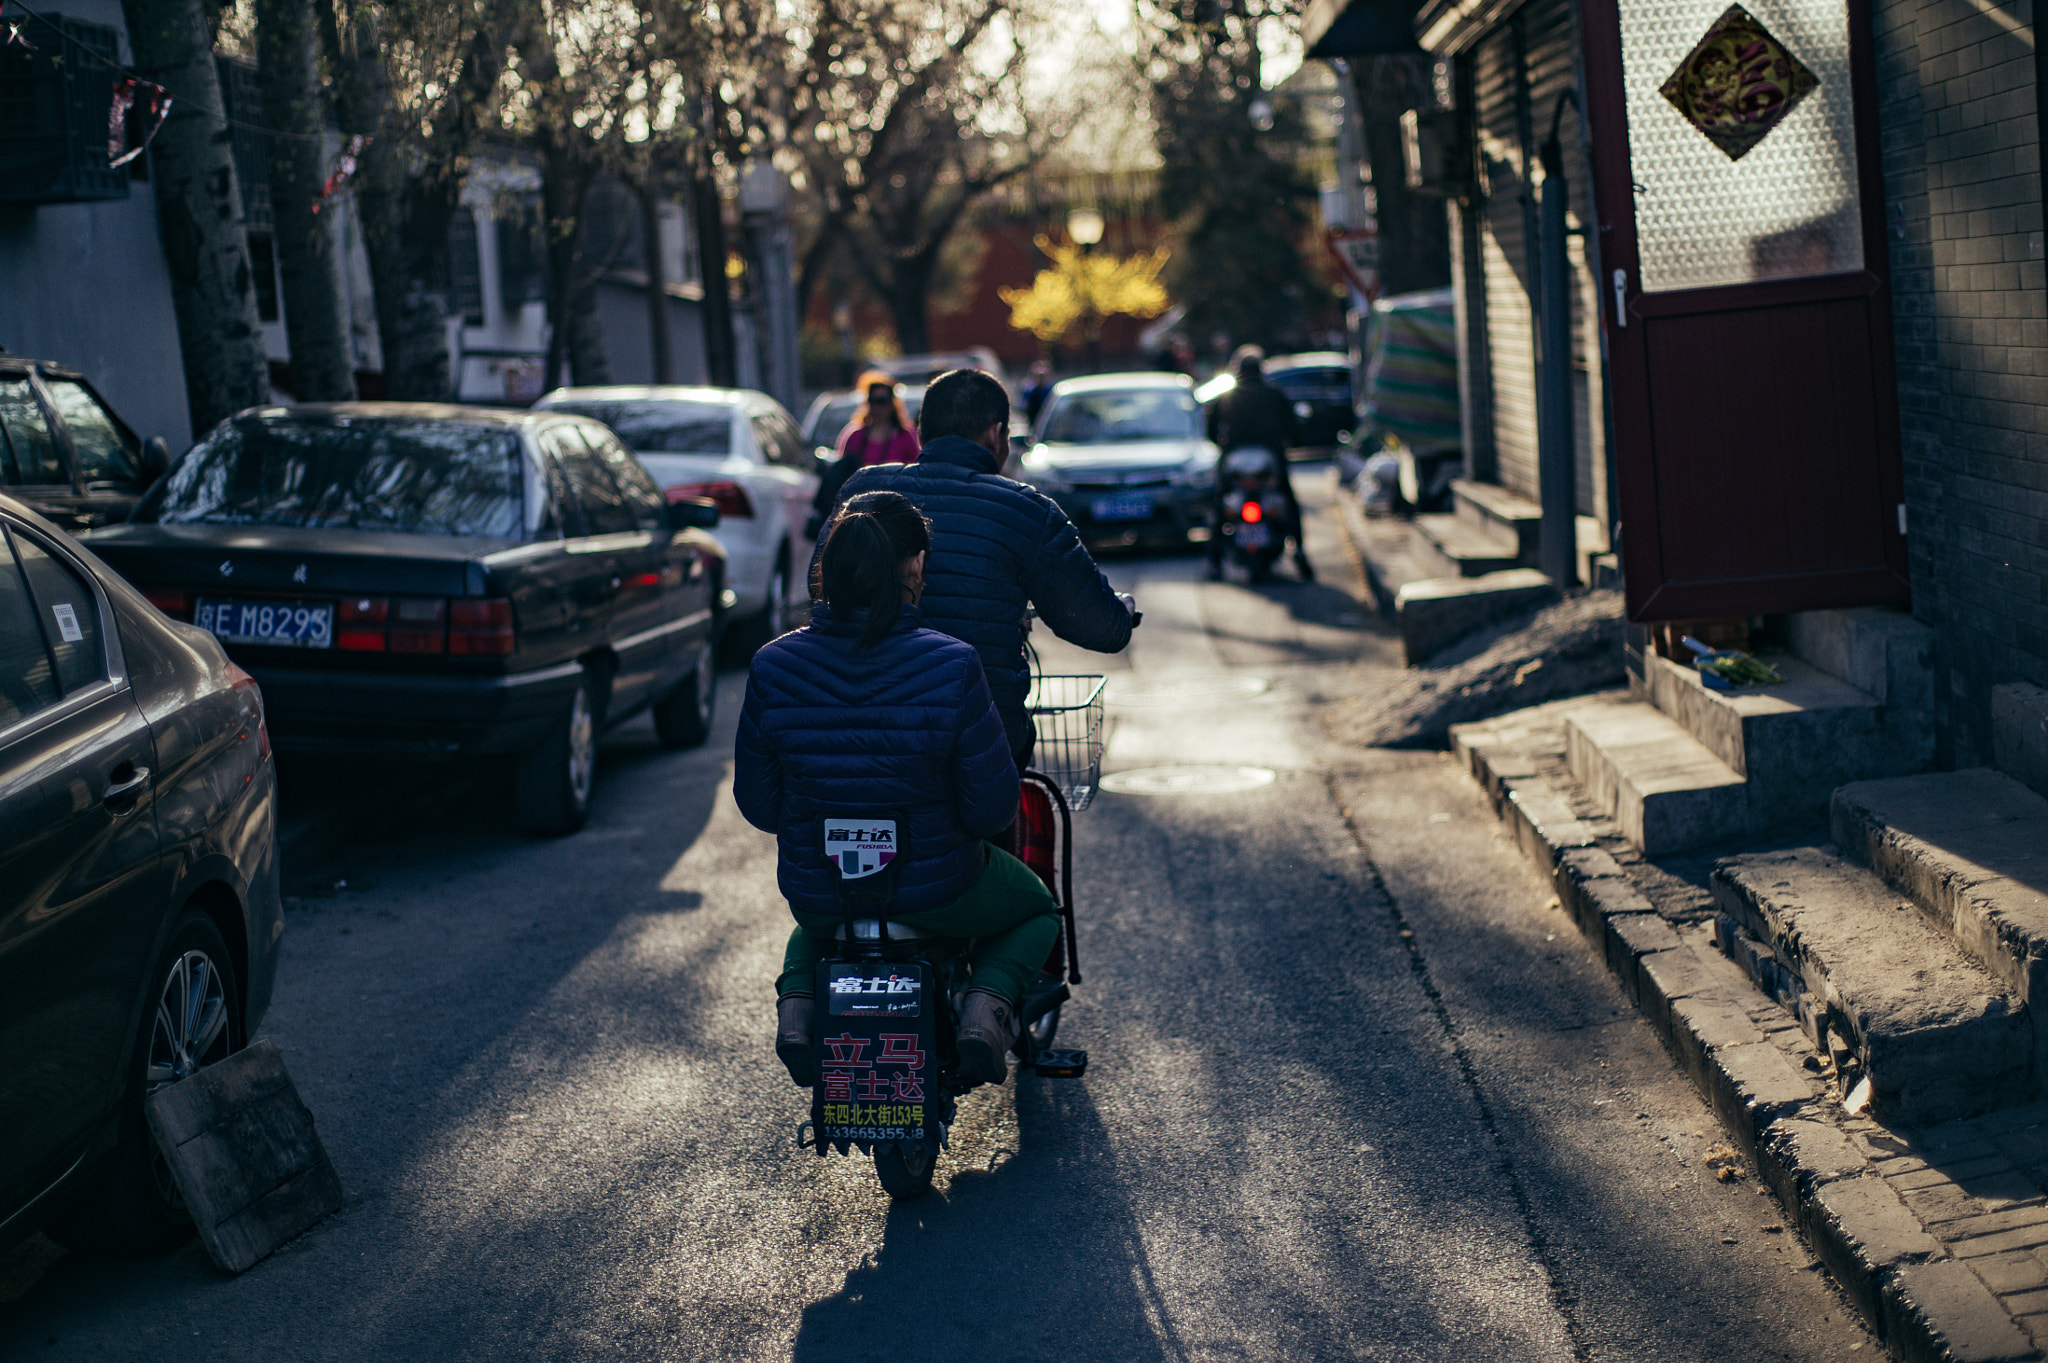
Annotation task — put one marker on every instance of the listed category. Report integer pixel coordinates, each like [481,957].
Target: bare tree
[199,208]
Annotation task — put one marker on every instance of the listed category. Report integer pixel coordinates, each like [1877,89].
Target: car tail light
[251,695]
[178,605]
[481,627]
[1252,513]
[731,498]
[359,624]
[419,624]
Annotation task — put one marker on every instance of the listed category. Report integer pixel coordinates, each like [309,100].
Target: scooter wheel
[905,1176]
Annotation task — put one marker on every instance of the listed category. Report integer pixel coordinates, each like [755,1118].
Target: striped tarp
[1411,382]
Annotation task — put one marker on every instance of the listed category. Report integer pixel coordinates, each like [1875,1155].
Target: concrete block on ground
[1970,848]
[1881,651]
[1664,789]
[1436,612]
[243,1152]
[1626,939]
[1941,1312]
[2019,734]
[1502,512]
[1935,1033]
[1860,1229]
[1456,547]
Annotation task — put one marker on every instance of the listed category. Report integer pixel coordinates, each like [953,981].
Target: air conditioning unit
[1435,154]
[56,106]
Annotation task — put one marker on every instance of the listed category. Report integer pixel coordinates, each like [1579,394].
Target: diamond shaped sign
[1738,83]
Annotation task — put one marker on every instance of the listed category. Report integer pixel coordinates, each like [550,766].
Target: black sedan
[65,452]
[1319,386]
[428,580]
[139,909]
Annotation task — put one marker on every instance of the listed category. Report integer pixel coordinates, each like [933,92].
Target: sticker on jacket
[860,847]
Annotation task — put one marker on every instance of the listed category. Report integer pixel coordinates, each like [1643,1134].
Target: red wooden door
[1747,305]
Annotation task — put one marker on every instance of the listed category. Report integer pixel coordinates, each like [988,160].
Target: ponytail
[861,567]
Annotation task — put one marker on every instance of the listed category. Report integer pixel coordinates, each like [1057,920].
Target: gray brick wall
[1962,164]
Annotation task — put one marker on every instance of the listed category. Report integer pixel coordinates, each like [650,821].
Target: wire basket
[1067,713]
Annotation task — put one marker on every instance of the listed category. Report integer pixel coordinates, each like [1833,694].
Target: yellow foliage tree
[1071,297]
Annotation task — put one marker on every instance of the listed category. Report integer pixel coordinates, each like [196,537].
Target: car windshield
[415,477]
[833,416]
[656,427]
[1121,416]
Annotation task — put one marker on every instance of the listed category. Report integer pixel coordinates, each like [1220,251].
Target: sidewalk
[1938,1234]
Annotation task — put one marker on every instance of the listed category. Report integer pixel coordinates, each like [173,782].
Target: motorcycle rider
[864,710]
[996,544]
[1253,414]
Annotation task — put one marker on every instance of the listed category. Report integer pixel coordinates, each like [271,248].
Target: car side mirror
[156,458]
[693,513]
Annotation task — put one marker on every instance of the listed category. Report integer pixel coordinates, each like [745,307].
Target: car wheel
[775,618]
[192,1019]
[555,779]
[683,720]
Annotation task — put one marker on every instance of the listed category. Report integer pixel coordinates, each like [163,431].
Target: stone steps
[1866,973]
[1664,789]
[1461,548]
[1970,848]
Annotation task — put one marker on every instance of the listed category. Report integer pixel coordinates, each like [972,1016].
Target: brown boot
[988,1028]
[793,1038]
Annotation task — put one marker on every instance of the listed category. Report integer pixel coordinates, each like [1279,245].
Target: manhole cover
[1129,690]
[1188,780]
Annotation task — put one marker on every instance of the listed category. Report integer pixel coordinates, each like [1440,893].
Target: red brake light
[1252,514]
[731,498]
[359,624]
[175,604]
[481,627]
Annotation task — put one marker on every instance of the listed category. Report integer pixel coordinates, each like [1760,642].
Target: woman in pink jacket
[880,433]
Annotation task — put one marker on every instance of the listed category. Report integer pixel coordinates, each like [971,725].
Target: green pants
[1009,913]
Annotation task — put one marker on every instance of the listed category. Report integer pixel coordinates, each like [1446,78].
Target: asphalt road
[1356,1090]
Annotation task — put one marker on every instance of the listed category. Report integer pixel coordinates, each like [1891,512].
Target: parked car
[829,413]
[420,579]
[1319,385]
[139,909]
[64,452]
[741,450]
[1125,457]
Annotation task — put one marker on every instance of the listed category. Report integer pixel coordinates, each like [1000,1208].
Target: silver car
[1125,457]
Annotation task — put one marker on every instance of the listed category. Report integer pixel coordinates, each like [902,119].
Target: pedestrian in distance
[1254,414]
[878,433]
[865,710]
[997,545]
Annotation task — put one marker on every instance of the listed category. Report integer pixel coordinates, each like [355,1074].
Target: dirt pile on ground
[1561,650]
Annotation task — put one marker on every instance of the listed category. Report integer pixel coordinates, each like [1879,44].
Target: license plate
[1125,506]
[1252,536]
[289,624]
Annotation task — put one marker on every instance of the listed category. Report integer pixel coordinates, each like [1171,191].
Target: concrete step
[1970,848]
[1795,743]
[1462,549]
[1501,513]
[1935,1034]
[1664,789]
[1436,612]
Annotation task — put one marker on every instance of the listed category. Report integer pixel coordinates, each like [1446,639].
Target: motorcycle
[888,1076]
[1257,520]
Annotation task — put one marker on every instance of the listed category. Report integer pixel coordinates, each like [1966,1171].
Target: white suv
[744,452]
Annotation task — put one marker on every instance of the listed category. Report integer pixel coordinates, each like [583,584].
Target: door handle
[1621,298]
[126,791]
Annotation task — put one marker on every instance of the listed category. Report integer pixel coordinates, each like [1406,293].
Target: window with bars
[242,101]
[56,103]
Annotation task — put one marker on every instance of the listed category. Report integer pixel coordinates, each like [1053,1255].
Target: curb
[1926,1306]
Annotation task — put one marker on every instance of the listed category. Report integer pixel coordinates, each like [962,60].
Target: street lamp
[1085,225]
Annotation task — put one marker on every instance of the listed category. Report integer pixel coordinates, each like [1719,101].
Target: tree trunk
[404,213]
[575,340]
[658,337]
[199,206]
[721,350]
[1415,232]
[322,368]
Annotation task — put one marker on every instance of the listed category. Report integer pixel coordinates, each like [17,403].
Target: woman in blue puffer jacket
[864,712]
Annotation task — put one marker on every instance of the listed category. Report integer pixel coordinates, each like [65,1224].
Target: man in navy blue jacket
[996,544]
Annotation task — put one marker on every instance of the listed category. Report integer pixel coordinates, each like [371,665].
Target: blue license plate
[1125,506]
[293,624]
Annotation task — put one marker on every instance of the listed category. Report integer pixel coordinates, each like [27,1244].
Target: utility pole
[764,208]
